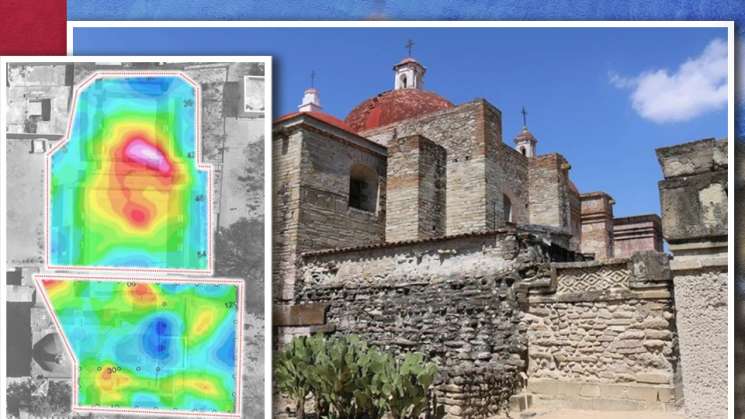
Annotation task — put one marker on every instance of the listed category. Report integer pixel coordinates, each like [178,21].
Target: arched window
[522,150]
[507,208]
[363,188]
[403,81]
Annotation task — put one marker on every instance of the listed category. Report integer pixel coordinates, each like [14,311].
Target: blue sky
[577,84]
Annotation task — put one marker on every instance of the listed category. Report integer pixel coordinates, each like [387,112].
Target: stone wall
[635,234]
[549,191]
[454,299]
[462,132]
[575,218]
[597,224]
[415,193]
[514,178]
[508,172]
[487,305]
[694,222]
[602,335]
[312,163]
[285,208]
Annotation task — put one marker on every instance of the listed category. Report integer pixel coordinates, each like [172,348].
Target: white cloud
[698,86]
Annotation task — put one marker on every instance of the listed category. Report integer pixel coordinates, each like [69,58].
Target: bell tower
[409,74]
[311,98]
[525,142]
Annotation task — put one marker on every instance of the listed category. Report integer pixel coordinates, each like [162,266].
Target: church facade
[414,225]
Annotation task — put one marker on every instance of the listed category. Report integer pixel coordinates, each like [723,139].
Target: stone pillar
[597,224]
[636,234]
[694,222]
[415,194]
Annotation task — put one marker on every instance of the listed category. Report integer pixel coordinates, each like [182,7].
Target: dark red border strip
[33,27]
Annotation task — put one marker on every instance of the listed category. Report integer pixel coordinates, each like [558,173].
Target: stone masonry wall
[311,208]
[513,181]
[453,299]
[494,172]
[326,220]
[415,193]
[602,335]
[549,191]
[461,132]
[285,213]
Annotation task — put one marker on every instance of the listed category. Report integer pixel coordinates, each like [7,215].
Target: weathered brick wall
[635,234]
[415,195]
[597,224]
[575,218]
[608,326]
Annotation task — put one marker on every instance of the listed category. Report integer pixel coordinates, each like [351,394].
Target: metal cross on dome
[409,45]
[525,117]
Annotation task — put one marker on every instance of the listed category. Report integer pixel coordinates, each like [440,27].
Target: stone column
[694,222]
[597,224]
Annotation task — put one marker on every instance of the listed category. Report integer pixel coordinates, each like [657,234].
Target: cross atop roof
[313,78]
[525,117]
[409,45]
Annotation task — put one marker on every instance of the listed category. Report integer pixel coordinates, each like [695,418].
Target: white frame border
[729,25]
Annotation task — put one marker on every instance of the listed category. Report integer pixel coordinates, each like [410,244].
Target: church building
[408,164]
[414,225]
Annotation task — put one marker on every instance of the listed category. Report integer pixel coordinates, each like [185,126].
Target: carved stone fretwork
[593,279]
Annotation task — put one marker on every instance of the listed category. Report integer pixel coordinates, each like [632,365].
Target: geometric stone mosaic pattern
[592,279]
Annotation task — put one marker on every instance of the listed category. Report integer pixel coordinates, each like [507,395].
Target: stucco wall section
[701,299]
[695,222]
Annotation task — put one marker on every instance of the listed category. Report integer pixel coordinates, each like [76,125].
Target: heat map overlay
[126,190]
[156,346]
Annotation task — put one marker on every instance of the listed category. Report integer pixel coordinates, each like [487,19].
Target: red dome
[393,106]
